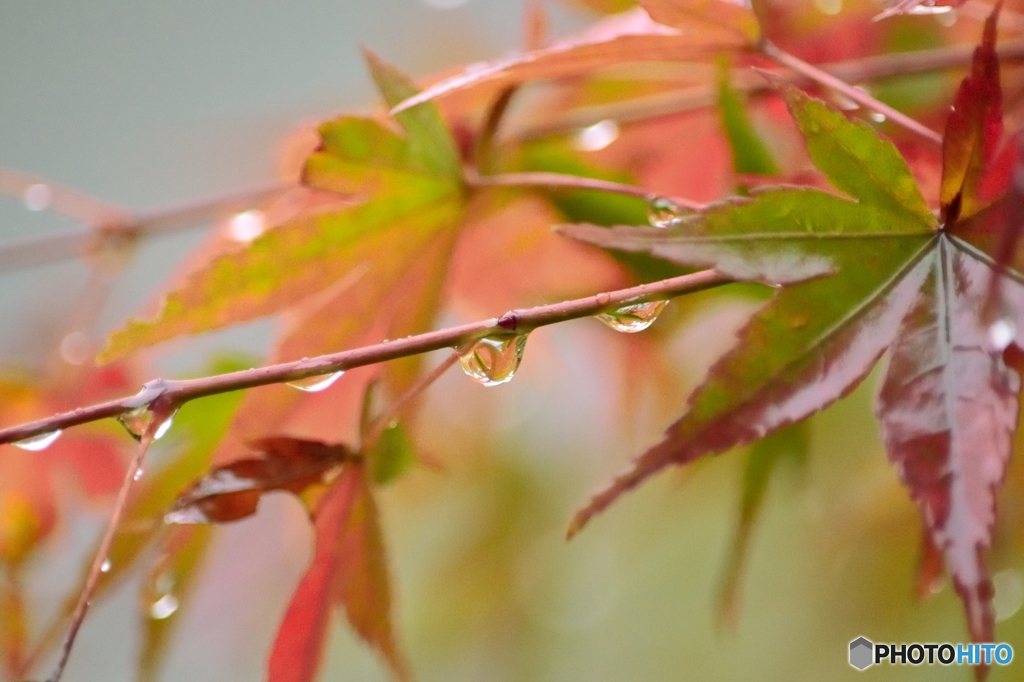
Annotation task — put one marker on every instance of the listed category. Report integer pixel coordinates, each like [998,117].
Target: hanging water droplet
[164,426]
[105,566]
[37,197]
[1001,334]
[877,117]
[163,607]
[315,384]
[662,212]
[138,474]
[139,420]
[40,442]
[493,361]
[633,318]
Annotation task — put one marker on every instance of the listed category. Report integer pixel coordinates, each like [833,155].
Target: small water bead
[493,361]
[138,474]
[40,442]
[1001,334]
[106,566]
[662,212]
[316,383]
[633,318]
[136,422]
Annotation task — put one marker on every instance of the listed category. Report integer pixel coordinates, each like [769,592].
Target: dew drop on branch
[633,318]
[106,566]
[493,361]
[40,442]
[662,212]
[136,422]
[317,383]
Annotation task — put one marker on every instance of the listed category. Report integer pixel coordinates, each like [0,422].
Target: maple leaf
[861,277]
[632,36]
[414,192]
[349,565]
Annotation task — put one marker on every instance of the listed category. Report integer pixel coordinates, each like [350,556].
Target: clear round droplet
[1001,334]
[40,442]
[246,226]
[136,422]
[316,383]
[1008,597]
[597,136]
[633,318]
[164,607]
[877,117]
[493,361]
[106,566]
[662,212]
[138,474]
[37,197]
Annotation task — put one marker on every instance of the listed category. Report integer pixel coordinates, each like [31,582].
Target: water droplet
[1001,334]
[315,384]
[662,212]
[877,117]
[1009,593]
[493,361]
[75,348]
[138,474]
[40,442]
[138,421]
[37,197]
[597,136]
[163,607]
[106,566]
[633,318]
[246,226]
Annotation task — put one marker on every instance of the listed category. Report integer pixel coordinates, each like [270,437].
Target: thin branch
[563,181]
[395,408]
[512,323]
[160,413]
[856,94]
[114,223]
[695,97]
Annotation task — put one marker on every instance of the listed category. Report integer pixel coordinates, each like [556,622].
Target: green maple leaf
[857,276]
[413,191]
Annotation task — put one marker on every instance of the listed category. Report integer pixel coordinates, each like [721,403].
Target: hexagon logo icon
[861,650]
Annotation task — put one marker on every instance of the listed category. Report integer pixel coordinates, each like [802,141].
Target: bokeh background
[149,105]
